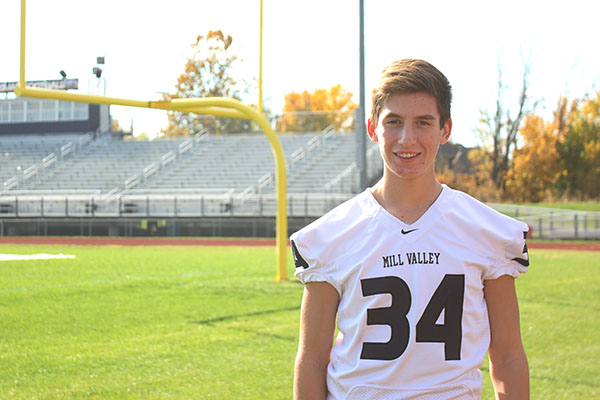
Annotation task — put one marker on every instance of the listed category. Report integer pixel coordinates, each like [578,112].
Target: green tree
[208,73]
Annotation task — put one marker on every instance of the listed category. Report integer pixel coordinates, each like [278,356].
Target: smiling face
[408,132]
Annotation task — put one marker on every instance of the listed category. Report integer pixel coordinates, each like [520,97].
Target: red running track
[164,241]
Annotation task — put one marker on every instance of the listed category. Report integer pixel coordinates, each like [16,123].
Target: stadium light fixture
[97,71]
[63,74]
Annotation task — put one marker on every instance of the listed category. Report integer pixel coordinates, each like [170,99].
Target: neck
[407,200]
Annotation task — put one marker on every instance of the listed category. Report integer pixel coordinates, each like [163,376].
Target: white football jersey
[412,319]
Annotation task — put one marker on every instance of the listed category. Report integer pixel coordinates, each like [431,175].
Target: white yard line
[41,256]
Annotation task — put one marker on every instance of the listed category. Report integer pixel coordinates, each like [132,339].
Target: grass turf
[577,206]
[210,322]
[146,322]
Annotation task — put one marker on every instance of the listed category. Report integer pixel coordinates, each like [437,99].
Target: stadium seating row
[239,163]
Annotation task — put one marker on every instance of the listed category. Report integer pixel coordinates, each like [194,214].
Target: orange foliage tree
[315,111]
[579,150]
[536,165]
[560,158]
[208,73]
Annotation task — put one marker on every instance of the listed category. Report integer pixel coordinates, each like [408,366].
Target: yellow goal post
[218,106]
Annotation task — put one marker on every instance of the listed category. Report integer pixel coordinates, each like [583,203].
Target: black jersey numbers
[448,298]
[394,316]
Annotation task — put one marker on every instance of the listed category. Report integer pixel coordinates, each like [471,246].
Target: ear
[371,130]
[446,131]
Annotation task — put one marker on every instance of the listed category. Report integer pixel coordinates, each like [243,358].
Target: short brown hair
[412,76]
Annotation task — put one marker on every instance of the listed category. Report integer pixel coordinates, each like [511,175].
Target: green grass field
[577,206]
[211,323]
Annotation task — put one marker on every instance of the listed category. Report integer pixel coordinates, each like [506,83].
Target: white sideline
[41,256]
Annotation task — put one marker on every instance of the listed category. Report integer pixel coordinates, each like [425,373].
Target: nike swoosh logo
[409,231]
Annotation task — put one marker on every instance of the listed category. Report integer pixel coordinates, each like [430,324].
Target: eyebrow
[423,117]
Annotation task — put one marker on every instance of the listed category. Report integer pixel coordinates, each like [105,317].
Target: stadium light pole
[360,128]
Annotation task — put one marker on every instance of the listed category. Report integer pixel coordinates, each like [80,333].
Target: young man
[419,277]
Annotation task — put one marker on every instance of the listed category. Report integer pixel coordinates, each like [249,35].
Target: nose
[406,136]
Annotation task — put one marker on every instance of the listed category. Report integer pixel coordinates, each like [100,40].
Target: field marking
[226,318]
[137,241]
[40,256]
[103,282]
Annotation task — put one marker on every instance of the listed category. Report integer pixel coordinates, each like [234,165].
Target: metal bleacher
[245,162]
[103,166]
[233,162]
[23,157]
[47,181]
[237,163]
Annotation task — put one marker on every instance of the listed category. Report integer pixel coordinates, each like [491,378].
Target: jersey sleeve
[510,257]
[310,259]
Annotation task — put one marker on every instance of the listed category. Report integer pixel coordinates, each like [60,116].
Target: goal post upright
[21,83]
[219,106]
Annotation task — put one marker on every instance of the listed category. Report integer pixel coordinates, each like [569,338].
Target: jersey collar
[408,232]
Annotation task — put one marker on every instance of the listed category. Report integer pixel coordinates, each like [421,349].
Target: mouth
[406,155]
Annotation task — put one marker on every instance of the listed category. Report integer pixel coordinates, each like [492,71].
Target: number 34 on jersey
[448,297]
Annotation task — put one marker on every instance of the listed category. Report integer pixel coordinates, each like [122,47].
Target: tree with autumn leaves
[559,158]
[523,157]
[579,151]
[316,111]
[208,73]
[550,159]
[535,168]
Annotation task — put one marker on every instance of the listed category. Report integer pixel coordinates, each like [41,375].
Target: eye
[423,122]
[393,122]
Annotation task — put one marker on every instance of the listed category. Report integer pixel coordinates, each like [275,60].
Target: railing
[556,224]
[304,121]
[553,223]
[29,172]
[49,160]
[313,144]
[166,159]
[185,147]
[151,169]
[296,157]
[573,225]
[46,162]
[164,205]
[66,150]
[347,181]
[266,180]
[10,183]
[52,192]
[132,181]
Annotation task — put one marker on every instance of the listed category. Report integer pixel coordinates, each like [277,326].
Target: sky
[312,44]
